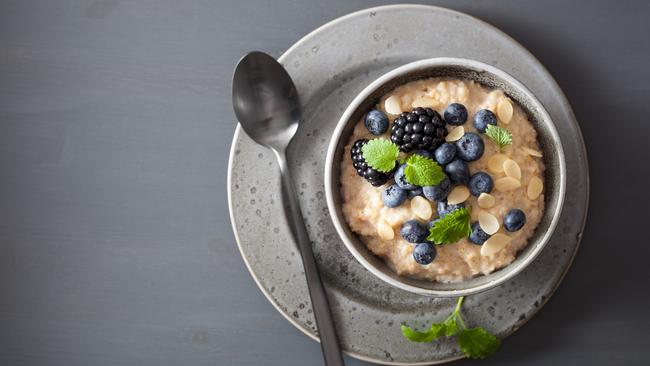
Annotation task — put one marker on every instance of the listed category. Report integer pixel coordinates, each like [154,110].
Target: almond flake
[511,168]
[504,110]
[421,207]
[458,195]
[494,244]
[488,222]
[392,105]
[495,163]
[506,184]
[455,134]
[385,231]
[486,200]
[535,188]
[531,152]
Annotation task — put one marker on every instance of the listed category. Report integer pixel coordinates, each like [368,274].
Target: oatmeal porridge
[443,179]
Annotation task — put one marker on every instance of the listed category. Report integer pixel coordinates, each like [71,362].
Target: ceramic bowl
[491,77]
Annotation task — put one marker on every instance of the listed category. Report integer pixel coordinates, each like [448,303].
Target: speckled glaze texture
[330,67]
[493,78]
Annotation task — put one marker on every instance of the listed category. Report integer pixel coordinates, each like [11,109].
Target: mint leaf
[499,135]
[477,342]
[451,228]
[380,154]
[423,171]
[436,331]
[474,342]
[451,326]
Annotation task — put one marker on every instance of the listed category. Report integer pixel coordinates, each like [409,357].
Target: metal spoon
[267,106]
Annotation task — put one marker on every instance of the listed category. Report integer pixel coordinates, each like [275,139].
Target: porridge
[443,179]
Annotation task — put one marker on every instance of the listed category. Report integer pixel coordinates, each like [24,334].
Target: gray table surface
[115,127]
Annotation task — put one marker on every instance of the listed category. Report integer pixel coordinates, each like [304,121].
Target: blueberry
[457,171]
[413,232]
[439,191]
[376,122]
[514,220]
[478,236]
[483,118]
[414,192]
[400,179]
[393,196]
[444,208]
[424,253]
[425,153]
[470,147]
[445,153]
[480,183]
[456,114]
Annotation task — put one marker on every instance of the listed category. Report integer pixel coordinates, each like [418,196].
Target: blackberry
[422,129]
[373,176]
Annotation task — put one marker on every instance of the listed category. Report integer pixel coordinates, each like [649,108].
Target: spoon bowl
[265,100]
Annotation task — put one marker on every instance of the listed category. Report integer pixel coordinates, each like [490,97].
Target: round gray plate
[330,66]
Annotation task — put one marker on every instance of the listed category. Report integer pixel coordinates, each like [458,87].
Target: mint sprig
[380,154]
[423,171]
[474,342]
[499,135]
[451,228]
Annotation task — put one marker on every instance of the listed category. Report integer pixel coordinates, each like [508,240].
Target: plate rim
[564,101]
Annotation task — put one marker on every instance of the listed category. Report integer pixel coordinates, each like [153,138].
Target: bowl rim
[396,74]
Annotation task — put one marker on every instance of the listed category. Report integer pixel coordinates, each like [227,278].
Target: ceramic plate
[330,66]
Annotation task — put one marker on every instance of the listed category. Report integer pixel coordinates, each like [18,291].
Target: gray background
[115,127]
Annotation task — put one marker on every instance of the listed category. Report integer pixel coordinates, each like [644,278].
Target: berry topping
[457,171]
[423,128]
[478,236]
[483,118]
[373,176]
[393,196]
[376,122]
[424,253]
[413,232]
[456,114]
[439,191]
[514,220]
[480,183]
[470,147]
[445,153]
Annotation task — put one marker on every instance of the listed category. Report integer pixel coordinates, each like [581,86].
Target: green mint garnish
[499,135]
[380,154]
[423,171]
[474,342]
[451,228]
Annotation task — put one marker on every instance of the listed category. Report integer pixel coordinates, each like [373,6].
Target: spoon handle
[322,313]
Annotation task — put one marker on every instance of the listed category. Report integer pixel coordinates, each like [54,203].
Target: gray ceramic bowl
[491,77]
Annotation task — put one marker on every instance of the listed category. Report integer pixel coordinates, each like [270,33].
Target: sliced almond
[488,222]
[532,152]
[486,200]
[494,244]
[385,231]
[455,134]
[421,207]
[504,110]
[393,218]
[511,168]
[507,184]
[392,105]
[457,195]
[535,188]
[424,103]
[495,163]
